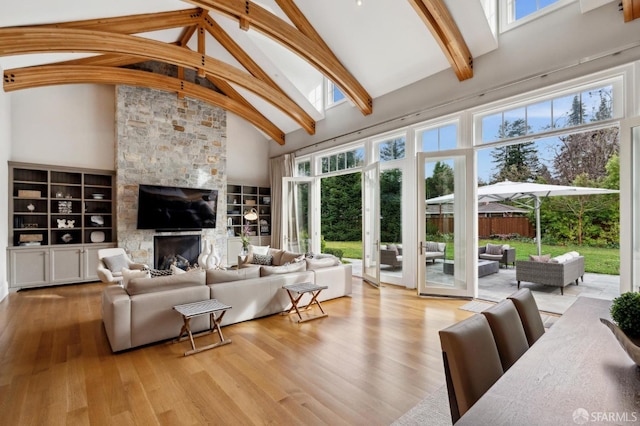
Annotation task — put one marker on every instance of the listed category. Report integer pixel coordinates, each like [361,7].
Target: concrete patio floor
[495,287]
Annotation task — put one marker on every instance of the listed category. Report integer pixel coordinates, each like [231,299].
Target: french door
[371,224]
[299,232]
[630,205]
[446,232]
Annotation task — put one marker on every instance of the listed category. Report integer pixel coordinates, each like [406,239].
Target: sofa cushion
[262,259]
[319,263]
[115,263]
[215,276]
[265,271]
[542,258]
[129,274]
[494,249]
[151,285]
[263,250]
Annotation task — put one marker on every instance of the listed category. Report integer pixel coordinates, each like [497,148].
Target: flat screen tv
[176,209]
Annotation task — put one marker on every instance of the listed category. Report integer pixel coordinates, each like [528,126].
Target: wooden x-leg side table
[190,310]
[301,289]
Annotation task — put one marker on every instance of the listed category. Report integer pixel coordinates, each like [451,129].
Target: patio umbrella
[515,191]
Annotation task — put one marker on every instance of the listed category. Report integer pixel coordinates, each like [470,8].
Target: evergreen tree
[441,182]
[518,162]
[391,206]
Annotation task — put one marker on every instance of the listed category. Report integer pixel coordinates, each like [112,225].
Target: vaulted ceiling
[265,60]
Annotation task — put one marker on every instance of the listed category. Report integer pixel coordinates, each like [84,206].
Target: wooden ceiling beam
[14,41]
[249,14]
[630,10]
[136,24]
[437,18]
[47,75]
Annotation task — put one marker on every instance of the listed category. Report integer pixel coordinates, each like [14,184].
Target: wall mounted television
[169,208]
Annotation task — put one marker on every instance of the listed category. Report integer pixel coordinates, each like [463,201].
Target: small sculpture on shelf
[66,223]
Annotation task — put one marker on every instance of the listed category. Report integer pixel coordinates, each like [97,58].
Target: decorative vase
[213,260]
[630,345]
[204,254]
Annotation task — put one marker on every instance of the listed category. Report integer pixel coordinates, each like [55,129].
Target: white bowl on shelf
[97,236]
[98,196]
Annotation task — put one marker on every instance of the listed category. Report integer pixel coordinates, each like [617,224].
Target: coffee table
[301,289]
[190,310]
[485,267]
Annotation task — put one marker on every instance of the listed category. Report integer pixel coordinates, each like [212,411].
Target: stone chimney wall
[164,140]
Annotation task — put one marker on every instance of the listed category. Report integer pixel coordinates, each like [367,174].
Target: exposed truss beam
[136,24]
[48,75]
[436,16]
[630,10]
[250,15]
[35,40]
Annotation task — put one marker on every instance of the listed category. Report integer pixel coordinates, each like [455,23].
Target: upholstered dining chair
[471,362]
[110,264]
[508,332]
[529,315]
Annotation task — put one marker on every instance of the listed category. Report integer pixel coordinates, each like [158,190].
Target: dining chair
[471,362]
[529,314]
[508,332]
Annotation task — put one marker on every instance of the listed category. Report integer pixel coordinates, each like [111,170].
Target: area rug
[478,306]
[432,411]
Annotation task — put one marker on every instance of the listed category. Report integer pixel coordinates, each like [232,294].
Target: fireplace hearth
[179,250]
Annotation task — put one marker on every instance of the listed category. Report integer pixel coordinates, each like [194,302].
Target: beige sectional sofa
[142,313]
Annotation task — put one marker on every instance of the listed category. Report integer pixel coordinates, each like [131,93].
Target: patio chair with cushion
[501,253]
[391,255]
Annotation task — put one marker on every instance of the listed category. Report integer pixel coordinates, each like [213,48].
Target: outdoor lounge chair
[500,253]
[391,255]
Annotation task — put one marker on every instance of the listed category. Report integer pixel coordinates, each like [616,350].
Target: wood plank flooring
[373,358]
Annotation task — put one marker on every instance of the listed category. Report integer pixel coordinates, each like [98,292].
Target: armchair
[391,255]
[110,264]
[500,253]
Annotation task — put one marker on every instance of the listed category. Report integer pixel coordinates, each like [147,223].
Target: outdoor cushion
[432,246]
[494,249]
[561,259]
[486,256]
[542,258]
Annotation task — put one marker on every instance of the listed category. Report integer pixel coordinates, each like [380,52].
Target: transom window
[303,168]
[342,161]
[334,94]
[541,116]
[440,138]
[392,149]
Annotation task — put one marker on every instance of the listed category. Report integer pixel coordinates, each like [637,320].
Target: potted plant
[625,312]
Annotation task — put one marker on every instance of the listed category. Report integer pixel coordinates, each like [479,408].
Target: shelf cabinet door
[29,268]
[66,264]
[91,261]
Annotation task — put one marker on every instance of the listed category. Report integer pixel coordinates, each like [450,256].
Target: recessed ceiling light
[359,2]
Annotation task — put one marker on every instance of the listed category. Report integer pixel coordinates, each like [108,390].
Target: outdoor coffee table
[301,289]
[211,307]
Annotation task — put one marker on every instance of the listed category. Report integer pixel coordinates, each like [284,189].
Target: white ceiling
[383,43]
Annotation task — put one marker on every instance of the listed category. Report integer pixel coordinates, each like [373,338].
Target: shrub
[625,311]
[336,252]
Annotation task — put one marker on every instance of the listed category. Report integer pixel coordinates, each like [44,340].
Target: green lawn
[597,260]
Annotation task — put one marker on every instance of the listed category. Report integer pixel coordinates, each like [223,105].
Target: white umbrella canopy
[514,191]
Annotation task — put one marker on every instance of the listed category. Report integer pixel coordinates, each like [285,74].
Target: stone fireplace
[179,250]
[165,140]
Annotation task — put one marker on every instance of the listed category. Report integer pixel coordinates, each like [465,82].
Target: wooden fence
[488,226]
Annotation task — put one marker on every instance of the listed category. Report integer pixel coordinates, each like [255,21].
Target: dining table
[576,373]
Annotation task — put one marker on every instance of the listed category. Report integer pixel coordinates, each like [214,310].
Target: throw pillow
[326,262]
[116,263]
[494,249]
[543,258]
[284,269]
[260,259]
[263,250]
[129,274]
[289,257]
[160,272]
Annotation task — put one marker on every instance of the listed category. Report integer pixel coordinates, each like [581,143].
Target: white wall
[5,154]
[247,153]
[70,125]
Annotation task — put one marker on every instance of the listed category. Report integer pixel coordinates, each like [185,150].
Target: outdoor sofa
[559,271]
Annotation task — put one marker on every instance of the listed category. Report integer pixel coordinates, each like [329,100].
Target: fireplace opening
[179,250]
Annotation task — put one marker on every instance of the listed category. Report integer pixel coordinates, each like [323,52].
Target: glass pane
[304,168]
[342,161]
[299,223]
[491,126]
[562,116]
[448,137]
[597,104]
[325,164]
[524,8]
[392,150]
[430,140]
[332,163]
[391,206]
[514,124]
[539,117]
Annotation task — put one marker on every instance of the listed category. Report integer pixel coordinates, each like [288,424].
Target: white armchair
[110,264]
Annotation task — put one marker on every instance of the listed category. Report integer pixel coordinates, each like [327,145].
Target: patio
[495,287]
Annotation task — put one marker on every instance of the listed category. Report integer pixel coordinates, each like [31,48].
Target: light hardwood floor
[374,357]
